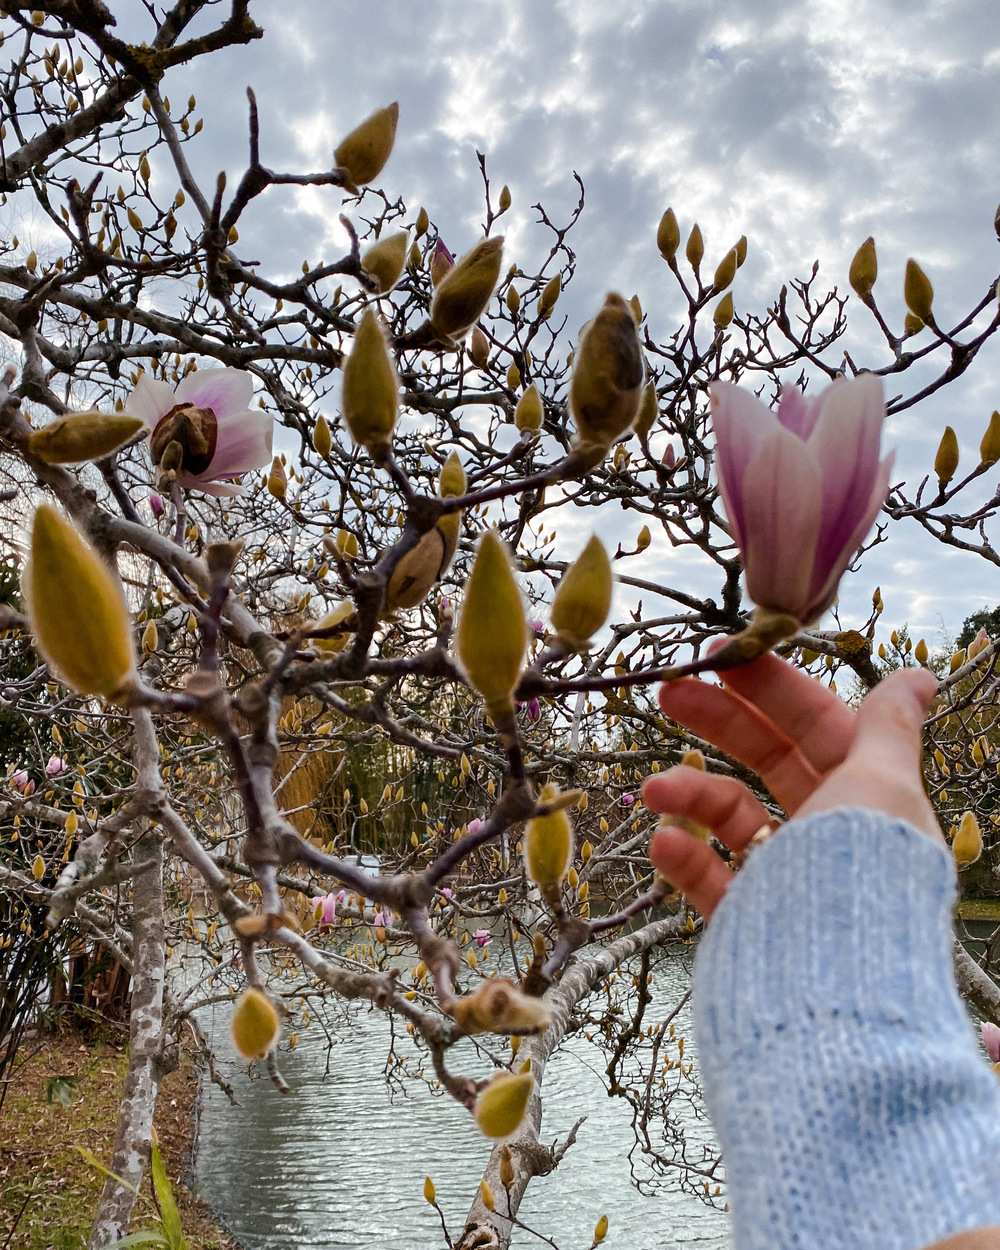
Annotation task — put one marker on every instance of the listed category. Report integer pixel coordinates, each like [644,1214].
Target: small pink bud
[534,710]
[628,800]
[482,937]
[55,767]
[447,893]
[325,908]
[991,1040]
[156,504]
[474,826]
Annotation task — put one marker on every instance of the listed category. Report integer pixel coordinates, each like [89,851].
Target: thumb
[890,722]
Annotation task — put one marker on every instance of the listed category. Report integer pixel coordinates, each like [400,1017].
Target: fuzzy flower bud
[492,633]
[370,396]
[550,293]
[479,348]
[499,1006]
[255,1024]
[322,440]
[967,845]
[725,272]
[608,371]
[864,270]
[338,641]
[989,448]
[501,1105]
[364,152]
[78,616]
[583,597]
[668,235]
[384,261]
[548,846]
[528,414]
[695,249]
[277,479]
[649,410]
[464,293]
[917,291]
[946,460]
[83,436]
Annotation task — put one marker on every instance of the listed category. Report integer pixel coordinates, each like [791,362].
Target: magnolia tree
[228,674]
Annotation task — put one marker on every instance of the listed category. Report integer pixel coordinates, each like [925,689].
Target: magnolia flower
[22,782]
[205,429]
[341,896]
[482,937]
[155,504]
[533,710]
[55,767]
[627,800]
[991,1040]
[474,826]
[325,908]
[801,487]
[447,893]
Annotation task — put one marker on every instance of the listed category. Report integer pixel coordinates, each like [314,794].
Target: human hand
[811,751]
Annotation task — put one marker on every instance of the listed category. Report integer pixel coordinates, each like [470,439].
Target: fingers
[691,867]
[738,728]
[724,804]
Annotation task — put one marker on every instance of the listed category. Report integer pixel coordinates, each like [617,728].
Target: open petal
[222,490]
[782,500]
[846,444]
[150,401]
[244,443]
[798,413]
[834,562]
[740,423]
[225,391]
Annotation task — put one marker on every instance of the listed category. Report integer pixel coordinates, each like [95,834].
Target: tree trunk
[135,1122]
[490,1230]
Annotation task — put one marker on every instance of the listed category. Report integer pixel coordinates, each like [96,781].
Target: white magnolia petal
[150,401]
[225,391]
[222,490]
[740,423]
[244,443]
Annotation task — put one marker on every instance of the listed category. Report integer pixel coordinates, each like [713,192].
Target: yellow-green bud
[452,481]
[549,296]
[528,415]
[505,199]
[492,633]
[513,300]
[968,842]
[322,439]
[421,566]
[695,249]
[989,448]
[946,460]
[920,652]
[150,638]
[726,271]
[371,389]
[548,846]
[422,223]
[385,260]
[347,544]
[912,324]
[649,410]
[82,436]
[600,1230]
[499,1006]
[486,1193]
[366,149]
[501,1105]
[464,292]
[513,377]
[255,1024]
[430,1193]
[864,269]
[644,539]
[668,235]
[917,291]
[724,311]
[277,479]
[741,250]
[957,660]
[78,616]
[636,309]
[583,597]
[506,1168]
[608,370]
[336,642]
[479,348]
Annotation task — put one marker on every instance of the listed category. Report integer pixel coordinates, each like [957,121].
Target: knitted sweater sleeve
[840,1070]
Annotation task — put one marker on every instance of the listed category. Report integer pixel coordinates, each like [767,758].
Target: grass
[978,909]
[40,1167]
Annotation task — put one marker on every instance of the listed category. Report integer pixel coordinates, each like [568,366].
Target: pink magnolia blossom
[55,767]
[474,826]
[627,800]
[482,937]
[801,487]
[991,1040]
[379,920]
[533,710]
[209,415]
[447,893]
[19,779]
[341,896]
[325,908]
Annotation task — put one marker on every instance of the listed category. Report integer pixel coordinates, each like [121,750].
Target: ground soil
[39,1161]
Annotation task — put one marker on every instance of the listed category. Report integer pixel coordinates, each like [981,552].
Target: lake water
[339,1163]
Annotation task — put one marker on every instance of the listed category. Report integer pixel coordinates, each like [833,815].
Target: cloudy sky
[806,125]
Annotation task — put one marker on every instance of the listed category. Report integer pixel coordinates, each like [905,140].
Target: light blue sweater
[840,1070]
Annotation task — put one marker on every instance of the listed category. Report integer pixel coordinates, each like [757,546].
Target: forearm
[839,1066]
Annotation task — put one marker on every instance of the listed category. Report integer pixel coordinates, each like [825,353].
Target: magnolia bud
[429,1191]
[78,616]
[150,638]
[38,868]
[724,311]
[741,250]
[957,660]
[277,479]
[600,1230]
[83,436]
[501,1105]
[608,370]
[337,642]
[548,846]
[255,1024]
[864,269]
[513,300]
[917,291]
[499,1006]
[371,389]
[668,235]
[365,150]
[644,539]
[636,309]
[486,1193]
[550,293]
[946,460]
[385,261]
[465,291]
[649,410]
[347,544]
[322,440]
[967,845]
[452,481]
[912,324]
[506,1168]
[492,633]
[504,199]
[513,377]
[695,249]
[726,271]
[421,566]
[528,414]
[920,652]
[442,262]
[586,851]
[989,448]
[479,348]
[583,597]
